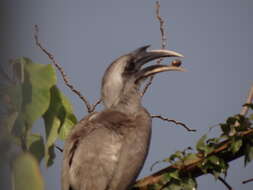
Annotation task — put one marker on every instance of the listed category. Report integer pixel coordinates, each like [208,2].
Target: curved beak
[154,69]
[142,56]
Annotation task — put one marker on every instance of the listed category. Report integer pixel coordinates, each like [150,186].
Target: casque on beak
[142,56]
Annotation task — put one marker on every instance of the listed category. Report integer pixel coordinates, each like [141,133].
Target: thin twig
[154,164]
[173,121]
[247,181]
[161,21]
[225,183]
[249,100]
[60,69]
[163,44]
[245,109]
[58,148]
[93,107]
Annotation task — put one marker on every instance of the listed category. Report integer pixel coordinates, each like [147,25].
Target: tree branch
[173,121]
[190,167]
[59,148]
[225,183]
[247,181]
[163,44]
[93,107]
[90,108]
[245,109]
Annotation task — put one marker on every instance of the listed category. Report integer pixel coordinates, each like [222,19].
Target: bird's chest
[138,138]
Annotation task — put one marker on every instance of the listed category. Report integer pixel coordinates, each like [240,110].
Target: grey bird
[106,150]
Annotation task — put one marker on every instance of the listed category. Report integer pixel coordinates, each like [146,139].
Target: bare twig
[225,183]
[154,164]
[58,148]
[245,109]
[93,107]
[163,44]
[90,108]
[249,100]
[173,121]
[247,181]
[161,21]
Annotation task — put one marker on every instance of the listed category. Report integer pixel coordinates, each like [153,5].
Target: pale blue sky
[85,36]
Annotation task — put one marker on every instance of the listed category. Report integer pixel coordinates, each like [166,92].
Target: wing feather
[91,154]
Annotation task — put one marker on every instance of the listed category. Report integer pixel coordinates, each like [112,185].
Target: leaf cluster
[28,92]
[211,155]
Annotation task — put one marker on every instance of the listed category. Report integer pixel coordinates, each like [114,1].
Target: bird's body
[106,150]
[106,142]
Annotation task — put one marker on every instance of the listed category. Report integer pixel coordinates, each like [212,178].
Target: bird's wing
[91,154]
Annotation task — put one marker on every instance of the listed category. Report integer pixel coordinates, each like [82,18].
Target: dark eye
[130,66]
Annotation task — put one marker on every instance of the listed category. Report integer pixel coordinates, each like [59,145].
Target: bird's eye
[130,66]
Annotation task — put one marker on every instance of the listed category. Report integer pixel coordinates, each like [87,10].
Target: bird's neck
[129,101]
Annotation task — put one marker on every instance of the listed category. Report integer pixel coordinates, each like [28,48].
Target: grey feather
[106,150]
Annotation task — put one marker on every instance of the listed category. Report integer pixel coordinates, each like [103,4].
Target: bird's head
[123,78]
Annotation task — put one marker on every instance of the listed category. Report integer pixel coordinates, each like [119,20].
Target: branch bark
[173,121]
[190,167]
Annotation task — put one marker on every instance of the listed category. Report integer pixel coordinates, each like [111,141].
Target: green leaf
[216,165]
[231,120]
[69,122]
[152,186]
[214,160]
[27,173]
[59,120]
[52,135]
[173,157]
[61,110]
[175,174]
[225,128]
[249,105]
[69,119]
[236,145]
[38,79]
[248,153]
[200,146]
[189,184]
[174,185]
[251,117]
[35,146]
[190,158]
[50,156]
[203,147]
[172,174]
[11,77]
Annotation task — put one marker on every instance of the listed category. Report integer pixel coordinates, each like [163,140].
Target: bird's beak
[154,69]
[143,56]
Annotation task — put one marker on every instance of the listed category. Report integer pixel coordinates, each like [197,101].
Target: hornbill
[106,150]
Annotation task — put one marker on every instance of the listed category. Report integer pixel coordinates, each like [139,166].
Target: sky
[215,38]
